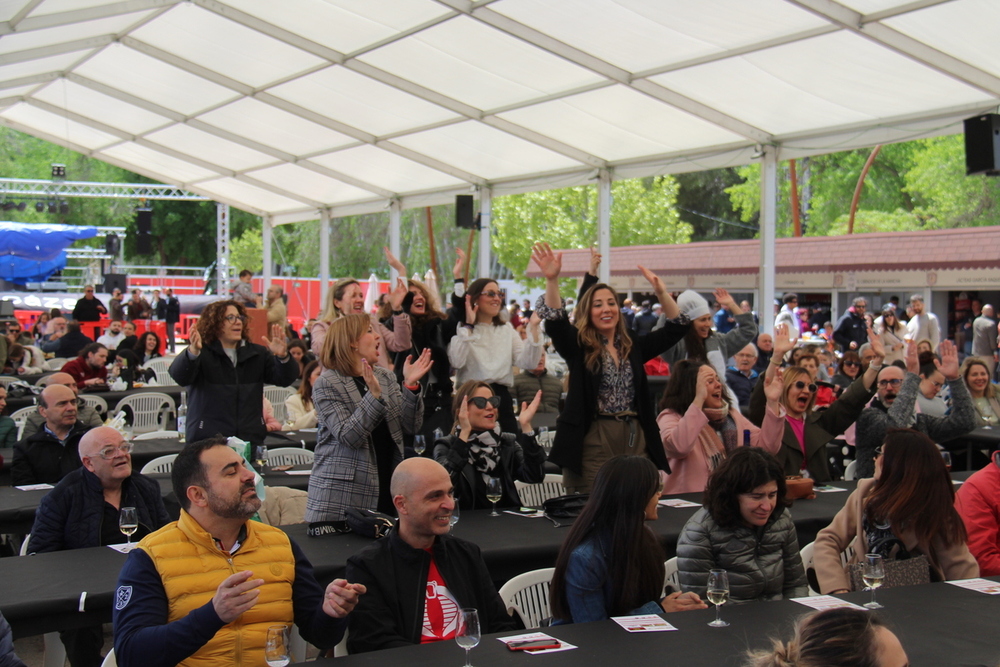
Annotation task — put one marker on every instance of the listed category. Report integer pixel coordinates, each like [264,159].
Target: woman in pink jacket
[698,427]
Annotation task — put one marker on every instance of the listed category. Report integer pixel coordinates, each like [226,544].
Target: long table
[939,625]
[110,397]
[41,591]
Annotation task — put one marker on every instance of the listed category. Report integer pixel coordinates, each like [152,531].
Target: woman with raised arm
[431,330]
[486,348]
[803,450]
[345,297]
[362,413]
[608,408]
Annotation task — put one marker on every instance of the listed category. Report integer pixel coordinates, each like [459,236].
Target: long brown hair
[338,351]
[477,287]
[682,385]
[615,517]
[430,309]
[587,334]
[336,293]
[214,316]
[839,637]
[914,492]
[694,345]
[990,391]
[306,388]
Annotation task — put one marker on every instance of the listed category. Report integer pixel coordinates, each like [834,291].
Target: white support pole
[223,272]
[324,256]
[485,246]
[395,216]
[768,219]
[604,224]
[268,242]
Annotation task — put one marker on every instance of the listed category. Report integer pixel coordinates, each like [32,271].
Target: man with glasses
[82,511]
[89,308]
[742,377]
[893,406]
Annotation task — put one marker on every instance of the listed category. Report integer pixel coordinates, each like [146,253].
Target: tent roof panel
[230,189]
[34,39]
[307,183]
[47,7]
[57,126]
[27,68]
[473,63]
[208,147]
[386,170]
[99,107]
[271,126]
[147,159]
[975,43]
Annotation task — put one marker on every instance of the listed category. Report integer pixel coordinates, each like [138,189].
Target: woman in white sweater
[299,406]
[486,348]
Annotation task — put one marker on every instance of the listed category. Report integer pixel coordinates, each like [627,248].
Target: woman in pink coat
[698,427]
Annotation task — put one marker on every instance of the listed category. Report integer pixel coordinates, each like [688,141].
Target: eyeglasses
[111,451]
[890,383]
[481,402]
[802,385]
[233,318]
[878,451]
[852,363]
[490,294]
[746,356]
[937,385]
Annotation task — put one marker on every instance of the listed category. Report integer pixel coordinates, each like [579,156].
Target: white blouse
[488,353]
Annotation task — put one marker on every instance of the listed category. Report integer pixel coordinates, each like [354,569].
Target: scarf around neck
[718,437]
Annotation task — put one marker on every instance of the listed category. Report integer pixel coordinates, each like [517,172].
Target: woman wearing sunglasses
[847,371]
[486,347]
[803,450]
[700,428]
[477,450]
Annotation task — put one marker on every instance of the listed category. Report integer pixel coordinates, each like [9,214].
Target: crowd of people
[742,413]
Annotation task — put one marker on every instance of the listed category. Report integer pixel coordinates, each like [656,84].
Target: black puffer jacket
[763,563]
[41,459]
[69,516]
[521,459]
[226,399]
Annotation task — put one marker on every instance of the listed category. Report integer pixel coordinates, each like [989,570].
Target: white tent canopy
[295,108]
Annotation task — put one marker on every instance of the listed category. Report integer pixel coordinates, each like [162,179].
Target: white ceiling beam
[56,49]
[904,45]
[433,163]
[128,98]
[264,185]
[23,12]
[345,178]
[83,120]
[51,138]
[46,77]
[32,23]
[187,66]
[902,9]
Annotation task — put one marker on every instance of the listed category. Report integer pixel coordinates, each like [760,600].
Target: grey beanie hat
[692,304]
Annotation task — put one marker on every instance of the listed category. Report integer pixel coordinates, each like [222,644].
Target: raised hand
[783,341]
[276,342]
[706,374]
[237,594]
[912,358]
[397,295]
[876,344]
[774,387]
[595,261]
[414,370]
[549,262]
[394,262]
[458,271]
[949,360]
[653,279]
[464,425]
[727,302]
[369,377]
[194,342]
[341,597]
[534,329]
[471,310]
[528,411]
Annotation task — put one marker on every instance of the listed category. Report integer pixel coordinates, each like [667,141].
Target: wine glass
[494,491]
[276,646]
[543,438]
[872,575]
[128,523]
[453,519]
[419,445]
[260,457]
[468,632]
[718,594]
[946,455]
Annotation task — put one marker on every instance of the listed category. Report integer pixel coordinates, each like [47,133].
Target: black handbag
[565,507]
[369,523]
[903,569]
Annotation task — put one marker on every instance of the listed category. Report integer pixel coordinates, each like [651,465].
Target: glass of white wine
[128,523]
[276,646]
[260,457]
[872,574]
[453,519]
[419,445]
[718,594]
[494,491]
[468,632]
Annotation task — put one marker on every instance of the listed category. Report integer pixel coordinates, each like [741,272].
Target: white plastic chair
[161,464]
[528,595]
[20,417]
[671,576]
[533,495]
[5,380]
[151,410]
[96,402]
[289,456]
[55,364]
[277,396]
[807,563]
[850,471]
[110,660]
[156,435]
[161,367]
[55,652]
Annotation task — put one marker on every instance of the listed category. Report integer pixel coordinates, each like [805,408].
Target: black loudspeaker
[465,216]
[143,244]
[113,281]
[112,244]
[982,145]
[144,220]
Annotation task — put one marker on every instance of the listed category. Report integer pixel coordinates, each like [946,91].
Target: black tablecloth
[147,450]
[939,625]
[110,397]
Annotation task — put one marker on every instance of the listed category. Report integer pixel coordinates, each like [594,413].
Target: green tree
[702,203]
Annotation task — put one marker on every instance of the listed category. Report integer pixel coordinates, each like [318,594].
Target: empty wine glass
[494,491]
[276,646]
[468,632]
[128,523]
[718,594]
[872,574]
[453,519]
[419,445]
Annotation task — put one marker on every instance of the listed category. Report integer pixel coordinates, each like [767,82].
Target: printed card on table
[124,547]
[829,489]
[677,502]
[825,602]
[643,623]
[537,636]
[978,584]
[34,487]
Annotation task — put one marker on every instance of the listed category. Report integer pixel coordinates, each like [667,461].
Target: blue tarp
[40,242]
[20,270]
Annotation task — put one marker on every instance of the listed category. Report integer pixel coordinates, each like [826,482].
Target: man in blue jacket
[82,511]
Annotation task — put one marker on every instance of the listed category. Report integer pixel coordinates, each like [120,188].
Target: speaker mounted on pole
[465,214]
[982,145]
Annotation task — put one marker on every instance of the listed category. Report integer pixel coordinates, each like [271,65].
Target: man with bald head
[893,406]
[82,511]
[84,413]
[419,576]
[51,453]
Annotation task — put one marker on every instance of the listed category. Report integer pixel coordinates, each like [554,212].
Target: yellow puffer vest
[191,567]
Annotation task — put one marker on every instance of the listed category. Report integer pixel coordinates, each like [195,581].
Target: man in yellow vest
[204,590]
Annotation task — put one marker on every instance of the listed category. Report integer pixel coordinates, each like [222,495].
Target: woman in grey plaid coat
[362,413]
